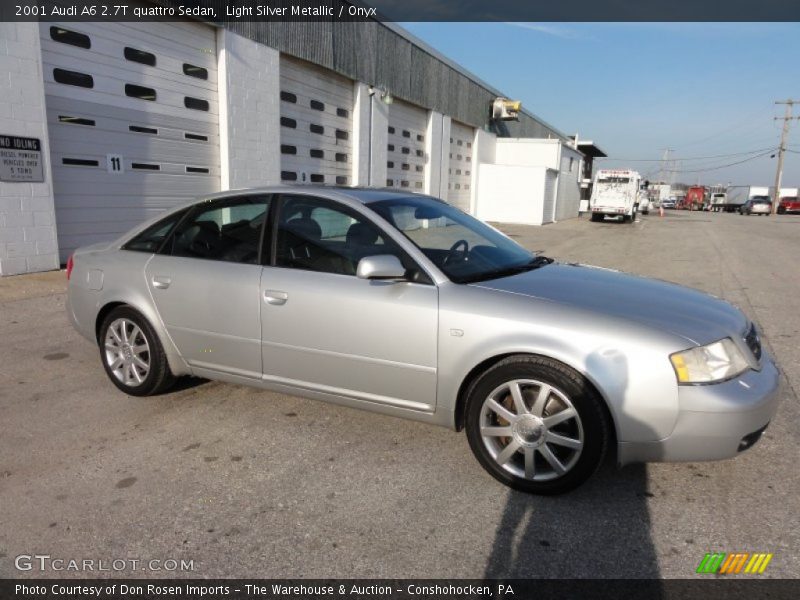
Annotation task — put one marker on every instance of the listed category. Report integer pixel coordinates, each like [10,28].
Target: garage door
[133,122]
[406,150]
[316,124]
[460,169]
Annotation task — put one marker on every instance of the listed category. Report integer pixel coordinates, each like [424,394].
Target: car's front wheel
[132,354]
[536,425]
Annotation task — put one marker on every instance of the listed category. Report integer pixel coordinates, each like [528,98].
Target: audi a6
[402,304]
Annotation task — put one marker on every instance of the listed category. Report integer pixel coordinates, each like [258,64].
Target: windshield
[465,249]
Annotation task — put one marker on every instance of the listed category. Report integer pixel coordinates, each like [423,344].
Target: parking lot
[247,483]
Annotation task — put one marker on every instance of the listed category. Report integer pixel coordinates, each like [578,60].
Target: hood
[669,307]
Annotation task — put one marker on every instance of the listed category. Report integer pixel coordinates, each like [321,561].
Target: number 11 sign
[114,164]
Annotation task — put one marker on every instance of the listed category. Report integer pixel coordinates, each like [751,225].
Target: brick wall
[249,85]
[27,219]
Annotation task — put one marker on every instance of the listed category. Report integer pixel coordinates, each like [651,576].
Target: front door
[326,330]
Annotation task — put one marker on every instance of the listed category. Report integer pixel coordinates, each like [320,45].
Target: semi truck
[695,198]
[615,193]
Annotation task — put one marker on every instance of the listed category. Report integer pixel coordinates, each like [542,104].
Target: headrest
[305,227]
[361,234]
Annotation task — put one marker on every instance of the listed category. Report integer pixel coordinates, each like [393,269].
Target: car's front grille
[753,341]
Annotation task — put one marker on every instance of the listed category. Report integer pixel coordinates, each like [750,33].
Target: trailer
[695,198]
[739,194]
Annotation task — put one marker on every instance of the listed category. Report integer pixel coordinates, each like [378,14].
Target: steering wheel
[454,253]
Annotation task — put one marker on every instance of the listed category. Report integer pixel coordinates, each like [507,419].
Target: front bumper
[714,421]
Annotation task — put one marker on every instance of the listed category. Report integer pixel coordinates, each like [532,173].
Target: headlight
[707,364]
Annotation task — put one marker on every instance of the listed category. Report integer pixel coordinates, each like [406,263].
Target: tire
[127,340]
[555,468]
[596,218]
[781,210]
[632,218]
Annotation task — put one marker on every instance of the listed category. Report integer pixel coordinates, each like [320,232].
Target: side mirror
[382,266]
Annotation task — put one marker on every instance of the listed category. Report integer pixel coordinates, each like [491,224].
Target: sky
[636,89]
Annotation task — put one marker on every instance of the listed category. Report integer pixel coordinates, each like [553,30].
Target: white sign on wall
[20,159]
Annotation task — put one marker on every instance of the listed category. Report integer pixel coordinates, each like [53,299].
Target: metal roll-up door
[132,114]
[406,156]
[316,124]
[460,169]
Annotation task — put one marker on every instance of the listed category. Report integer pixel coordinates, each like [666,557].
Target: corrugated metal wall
[376,55]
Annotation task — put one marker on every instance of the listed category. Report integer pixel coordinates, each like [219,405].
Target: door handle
[161,282]
[275,297]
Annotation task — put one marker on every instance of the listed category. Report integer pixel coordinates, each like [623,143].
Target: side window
[150,239]
[225,230]
[320,235]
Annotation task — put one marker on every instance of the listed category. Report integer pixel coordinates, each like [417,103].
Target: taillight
[70,264]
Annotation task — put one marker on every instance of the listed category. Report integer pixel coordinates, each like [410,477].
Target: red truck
[695,198]
[789,204]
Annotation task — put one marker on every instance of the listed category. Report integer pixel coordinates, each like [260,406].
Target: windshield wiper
[534,263]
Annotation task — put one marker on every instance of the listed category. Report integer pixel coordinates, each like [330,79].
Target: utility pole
[787,118]
[665,164]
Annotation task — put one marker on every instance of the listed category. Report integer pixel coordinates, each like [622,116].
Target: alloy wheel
[531,429]
[127,352]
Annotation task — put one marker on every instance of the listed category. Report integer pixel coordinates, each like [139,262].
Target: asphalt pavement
[238,482]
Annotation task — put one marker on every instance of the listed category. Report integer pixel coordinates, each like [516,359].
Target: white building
[103,125]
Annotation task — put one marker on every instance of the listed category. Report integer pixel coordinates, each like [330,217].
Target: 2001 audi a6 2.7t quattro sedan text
[402,304]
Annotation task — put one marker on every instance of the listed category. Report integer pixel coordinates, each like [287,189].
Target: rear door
[205,284]
[326,330]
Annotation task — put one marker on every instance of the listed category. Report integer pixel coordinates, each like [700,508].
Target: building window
[73,78]
[288,176]
[389,183]
[315,153]
[390,165]
[194,71]
[79,162]
[342,112]
[195,103]
[420,138]
[197,169]
[286,149]
[196,137]
[316,105]
[391,129]
[76,120]
[145,166]
[341,157]
[137,91]
[140,56]
[140,129]
[288,97]
[390,147]
[317,178]
[342,135]
[406,150]
[73,38]
[319,129]
[341,180]
[406,133]
[287,122]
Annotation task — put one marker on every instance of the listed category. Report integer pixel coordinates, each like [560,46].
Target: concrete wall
[27,215]
[249,112]
[512,194]
[531,152]
[569,186]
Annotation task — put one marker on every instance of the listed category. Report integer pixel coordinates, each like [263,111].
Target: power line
[690,157]
[724,166]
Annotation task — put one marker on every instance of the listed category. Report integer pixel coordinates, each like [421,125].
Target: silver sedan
[404,305]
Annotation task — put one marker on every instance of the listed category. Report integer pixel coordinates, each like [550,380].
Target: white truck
[739,194]
[615,193]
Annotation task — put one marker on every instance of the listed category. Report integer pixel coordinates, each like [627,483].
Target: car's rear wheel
[132,354]
[596,217]
[536,425]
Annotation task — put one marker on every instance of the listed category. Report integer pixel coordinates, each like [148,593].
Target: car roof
[361,194]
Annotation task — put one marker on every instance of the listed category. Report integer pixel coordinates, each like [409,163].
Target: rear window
[150,239]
